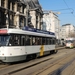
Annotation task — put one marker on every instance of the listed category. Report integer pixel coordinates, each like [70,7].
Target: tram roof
[70,38]
[28,32]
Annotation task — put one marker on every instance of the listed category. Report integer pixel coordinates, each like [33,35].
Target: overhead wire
[69,8]
[65,10]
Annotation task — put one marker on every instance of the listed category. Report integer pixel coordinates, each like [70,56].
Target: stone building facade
[20,13]
[66,31]
[51,23]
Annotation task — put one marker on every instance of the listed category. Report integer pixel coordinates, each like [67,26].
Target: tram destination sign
[38,30]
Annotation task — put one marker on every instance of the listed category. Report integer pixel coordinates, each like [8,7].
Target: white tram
[70,42]
[17,44]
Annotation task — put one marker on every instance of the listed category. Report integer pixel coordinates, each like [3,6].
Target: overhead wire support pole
[69,8]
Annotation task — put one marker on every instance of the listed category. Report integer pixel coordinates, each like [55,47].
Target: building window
[2,3]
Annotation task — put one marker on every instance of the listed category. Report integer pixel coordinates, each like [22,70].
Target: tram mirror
[9,44]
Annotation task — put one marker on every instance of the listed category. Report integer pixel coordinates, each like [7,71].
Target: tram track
[54,67]
[60,70]
[3,65]
[72,72]
[28,66]
[69,70]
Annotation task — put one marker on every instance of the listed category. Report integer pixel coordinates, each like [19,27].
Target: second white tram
[70,42]
[17,44]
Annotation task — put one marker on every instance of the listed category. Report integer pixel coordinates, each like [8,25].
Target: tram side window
[39,41]
[17,40]
[53,41]
[28,40]
[50,41]
[23,40]
[11,41]
[14,40]
[43,41]
[46,41]
[33,41]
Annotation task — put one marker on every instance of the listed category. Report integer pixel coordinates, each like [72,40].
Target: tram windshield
[4,39]
[69,41]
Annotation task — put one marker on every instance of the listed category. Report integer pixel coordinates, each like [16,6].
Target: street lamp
[65,9]
[57,12]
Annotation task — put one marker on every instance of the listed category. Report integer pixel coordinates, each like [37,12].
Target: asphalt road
[62,63]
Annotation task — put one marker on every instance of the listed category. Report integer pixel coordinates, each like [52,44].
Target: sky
[65,7]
